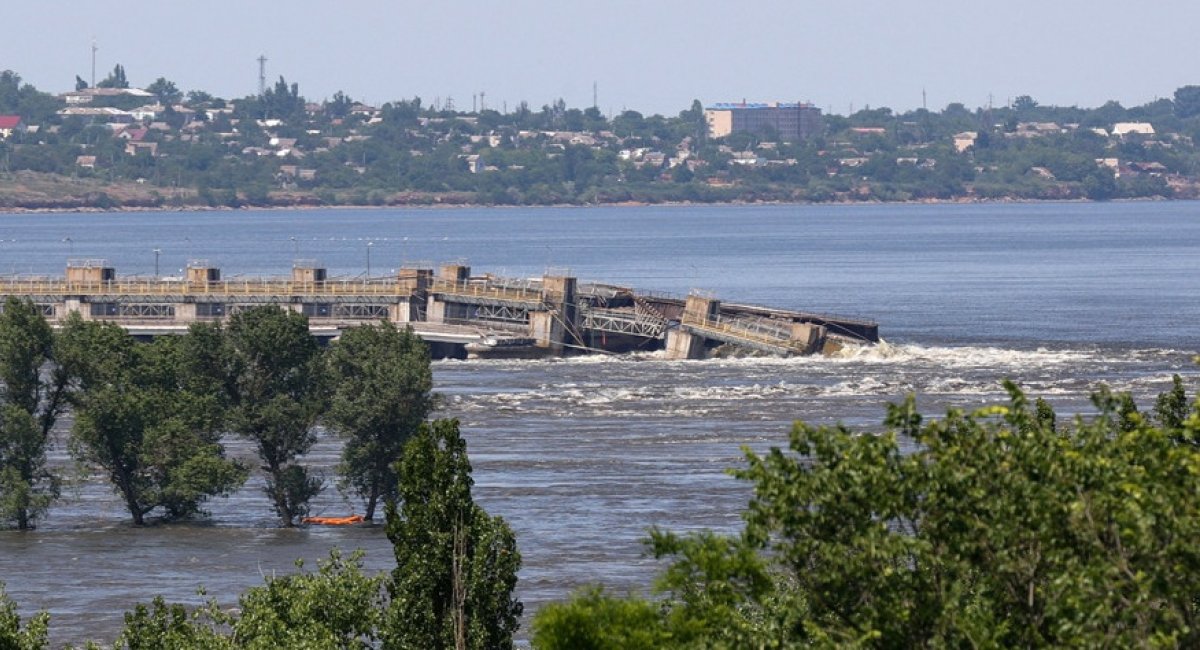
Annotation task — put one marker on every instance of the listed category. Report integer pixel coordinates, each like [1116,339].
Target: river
[582,455]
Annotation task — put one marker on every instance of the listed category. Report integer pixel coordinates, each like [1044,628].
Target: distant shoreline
[615,204]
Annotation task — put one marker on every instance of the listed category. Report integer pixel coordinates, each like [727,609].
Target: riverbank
[35,193]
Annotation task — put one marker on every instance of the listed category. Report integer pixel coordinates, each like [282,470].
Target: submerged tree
[31,399]
[276,394]
[456,566]
[382,393]
[146,415]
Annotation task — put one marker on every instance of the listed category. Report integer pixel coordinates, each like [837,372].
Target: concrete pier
[452,309]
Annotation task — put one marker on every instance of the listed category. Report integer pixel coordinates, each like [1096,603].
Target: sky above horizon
[654,56]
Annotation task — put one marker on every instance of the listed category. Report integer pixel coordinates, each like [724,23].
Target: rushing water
[583,455]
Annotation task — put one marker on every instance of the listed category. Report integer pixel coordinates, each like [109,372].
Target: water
[583,455]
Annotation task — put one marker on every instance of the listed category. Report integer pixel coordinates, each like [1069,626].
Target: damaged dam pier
[459,314]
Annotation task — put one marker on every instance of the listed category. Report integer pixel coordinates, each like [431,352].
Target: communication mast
[94,49]
[262,75]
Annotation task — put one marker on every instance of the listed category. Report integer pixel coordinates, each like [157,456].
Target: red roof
[10,121]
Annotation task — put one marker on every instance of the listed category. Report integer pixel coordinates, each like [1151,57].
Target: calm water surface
[583,455]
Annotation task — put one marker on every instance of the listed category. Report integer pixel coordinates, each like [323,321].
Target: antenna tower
[482,103]
[262,75]
[94,49]
[595,96]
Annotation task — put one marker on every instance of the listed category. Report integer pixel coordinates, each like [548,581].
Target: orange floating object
[334,521]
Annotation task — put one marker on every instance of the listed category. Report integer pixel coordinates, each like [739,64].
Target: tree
[338,606]
[80,83]
[1023,104]
[276,393]
[165,91]
[456,566]
[115,79]
[1001,529]
[594,620]
[383,392]
[1099,184]
[1187,101]
[35,636]
[31,399]
[144,416]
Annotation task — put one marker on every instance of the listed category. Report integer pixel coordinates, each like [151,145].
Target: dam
[460,314]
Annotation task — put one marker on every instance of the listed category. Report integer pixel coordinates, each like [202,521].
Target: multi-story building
[792,122]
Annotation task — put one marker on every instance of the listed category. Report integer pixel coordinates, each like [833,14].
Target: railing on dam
[762,333]
[248,287]
[489,290]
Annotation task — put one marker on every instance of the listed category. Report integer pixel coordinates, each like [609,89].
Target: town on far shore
[109,145]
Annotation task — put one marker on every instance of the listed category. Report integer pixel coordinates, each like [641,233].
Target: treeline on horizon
[408,152]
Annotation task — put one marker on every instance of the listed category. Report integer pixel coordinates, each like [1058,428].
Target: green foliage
[1187,101]
[456,567]
[165,91]
[163,625]
[115,79]
[594,620]
[276,392]
[336,607]
[382,392]
[145,413]
[34,636]
[1001,529]
[31,399]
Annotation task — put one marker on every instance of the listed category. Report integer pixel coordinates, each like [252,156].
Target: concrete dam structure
[459,314]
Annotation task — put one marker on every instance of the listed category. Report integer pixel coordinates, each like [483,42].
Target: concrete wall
[683,345]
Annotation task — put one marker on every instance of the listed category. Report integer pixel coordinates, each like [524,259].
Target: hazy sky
[649,55]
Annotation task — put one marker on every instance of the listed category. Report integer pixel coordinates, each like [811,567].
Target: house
[1122,129]
[1038,129]
[85,162]
[89,95]
[747,158]
[1151,168]
[137,148]
[965,140]
[9,124]
[133,134]
[147,112]
[103,114]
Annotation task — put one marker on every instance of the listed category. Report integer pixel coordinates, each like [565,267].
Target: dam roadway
[457,313]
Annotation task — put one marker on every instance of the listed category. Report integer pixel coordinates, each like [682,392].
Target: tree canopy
[456,566]
[149,416]
[1004,528]
[382,392]
[276,392]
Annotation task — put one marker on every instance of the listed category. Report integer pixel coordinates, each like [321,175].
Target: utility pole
[924,105]
[94,49]
[262,75]
[595,96]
